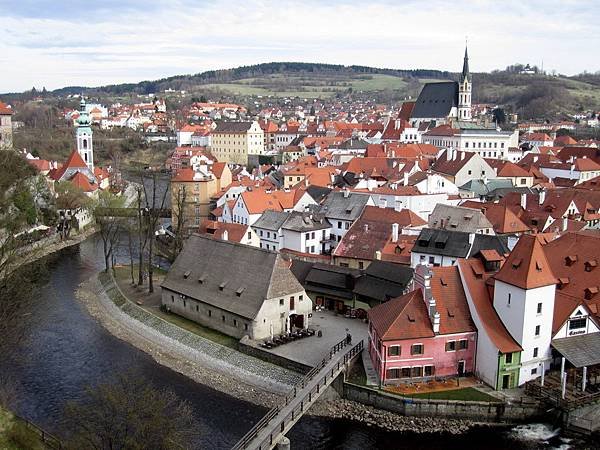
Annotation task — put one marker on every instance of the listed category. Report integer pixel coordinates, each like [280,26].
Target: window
[508,358]
[393,373]
[361,265]
[534,371]
[347,225]
[416,349]
[577,324]
[537,330]
[223,318]
[249,235]
[172,299]
[197,308]
[470,172]
[429,371]
[209,313]
[405,372]
[280,302]
[394,350]
[450,346]
[431,259]
[509,295]
[307,236]
[535,352]
[246,327]
[539,308]
[234,323]
[339,224]
[463,344]
[184,303]
[417,371]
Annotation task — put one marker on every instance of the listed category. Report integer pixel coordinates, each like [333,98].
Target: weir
[270,430]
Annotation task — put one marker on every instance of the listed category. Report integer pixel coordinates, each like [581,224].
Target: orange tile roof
[475,282]
[527,266]
[450,300]
[404,317]
[82,182]
[4,109]
[74,161]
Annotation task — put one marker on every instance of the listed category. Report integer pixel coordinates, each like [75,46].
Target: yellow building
[237,142]
[191,190]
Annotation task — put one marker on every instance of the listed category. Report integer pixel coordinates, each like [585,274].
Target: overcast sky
[56,43]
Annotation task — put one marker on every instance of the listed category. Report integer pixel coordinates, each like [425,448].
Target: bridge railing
[306,399]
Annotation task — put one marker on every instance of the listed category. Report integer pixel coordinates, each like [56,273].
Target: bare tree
[70,201]
[155,204]
[130,414]
[109,226]
[180,226]
[142,234]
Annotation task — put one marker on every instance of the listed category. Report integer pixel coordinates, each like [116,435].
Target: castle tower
[464,91]
[83,136]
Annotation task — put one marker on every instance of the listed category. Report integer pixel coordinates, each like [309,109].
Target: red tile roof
[82,182]
[404,317]
[450,300]
[527,266]
[73,162]
[476,283]
[4,109]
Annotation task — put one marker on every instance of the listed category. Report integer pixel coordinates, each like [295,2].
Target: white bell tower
[83,136]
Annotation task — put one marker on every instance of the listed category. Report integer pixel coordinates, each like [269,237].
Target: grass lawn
[193,327]
[468,394]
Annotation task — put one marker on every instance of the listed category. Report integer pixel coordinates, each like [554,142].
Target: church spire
[466,75]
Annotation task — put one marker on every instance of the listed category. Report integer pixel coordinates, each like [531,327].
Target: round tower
[83,136]
[464,91]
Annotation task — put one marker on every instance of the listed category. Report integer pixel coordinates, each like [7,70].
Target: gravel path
[203,361]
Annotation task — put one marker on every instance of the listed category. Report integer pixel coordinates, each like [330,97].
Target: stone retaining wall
[494,412]
[246,347]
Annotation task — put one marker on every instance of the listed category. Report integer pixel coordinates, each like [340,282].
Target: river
[66,350]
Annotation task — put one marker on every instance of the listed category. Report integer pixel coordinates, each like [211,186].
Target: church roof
[527,266]
[436,100]
[465,75]
[73,162]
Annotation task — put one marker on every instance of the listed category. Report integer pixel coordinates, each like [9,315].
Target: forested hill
[187,82]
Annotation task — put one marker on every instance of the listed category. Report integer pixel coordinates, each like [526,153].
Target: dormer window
[570,260]
[590,265]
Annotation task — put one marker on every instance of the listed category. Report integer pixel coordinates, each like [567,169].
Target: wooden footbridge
[267,433]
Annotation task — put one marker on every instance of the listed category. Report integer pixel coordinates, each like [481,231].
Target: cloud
[53,44]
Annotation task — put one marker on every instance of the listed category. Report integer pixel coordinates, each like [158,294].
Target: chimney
[462,156]
[382,203]
[225,235]
[346,193]
[378,255]
[524,201]
[449,154]
[471,239]
[535,158]
[565,223]
[435,322]
[542,197]
[405,178]
[366,227]
[395,232]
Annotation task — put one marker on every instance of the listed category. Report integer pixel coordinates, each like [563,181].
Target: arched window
[85,143]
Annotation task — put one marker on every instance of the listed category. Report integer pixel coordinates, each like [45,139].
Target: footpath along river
[66,350]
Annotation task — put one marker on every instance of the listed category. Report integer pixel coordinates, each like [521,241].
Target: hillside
[538,96]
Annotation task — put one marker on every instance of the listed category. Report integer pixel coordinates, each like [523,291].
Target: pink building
[426,333]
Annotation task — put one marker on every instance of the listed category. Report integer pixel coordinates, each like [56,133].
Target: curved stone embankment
[203,361]
[41,249]
[349,410]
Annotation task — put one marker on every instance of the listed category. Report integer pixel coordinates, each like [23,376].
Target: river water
[66,350]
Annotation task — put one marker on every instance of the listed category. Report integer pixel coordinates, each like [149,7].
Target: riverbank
[201,368]
[44,248]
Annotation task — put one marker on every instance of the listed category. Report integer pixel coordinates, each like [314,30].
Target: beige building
[192,188]
[5,127]
[236,289]
[238,142]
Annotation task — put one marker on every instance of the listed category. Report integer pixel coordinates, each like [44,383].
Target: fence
[49,440]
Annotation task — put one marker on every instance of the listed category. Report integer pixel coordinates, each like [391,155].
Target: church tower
[83,136]
[464,92]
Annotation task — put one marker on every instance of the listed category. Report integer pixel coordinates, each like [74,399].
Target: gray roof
[271,220]
[456,243]
[436,100]
[458,218]
[232,127]
[337,206]
[304,221]
[482,189]
[581,351]
[235,277]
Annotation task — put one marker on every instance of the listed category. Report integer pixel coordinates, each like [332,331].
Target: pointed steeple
[466,75]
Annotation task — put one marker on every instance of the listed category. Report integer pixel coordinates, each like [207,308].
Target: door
[461,368]
[292,304]
[505,381]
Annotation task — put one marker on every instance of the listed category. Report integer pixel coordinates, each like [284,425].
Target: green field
[308,86]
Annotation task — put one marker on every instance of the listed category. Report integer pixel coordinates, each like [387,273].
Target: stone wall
[478,411]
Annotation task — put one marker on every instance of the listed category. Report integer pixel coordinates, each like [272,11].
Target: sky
[56,43]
